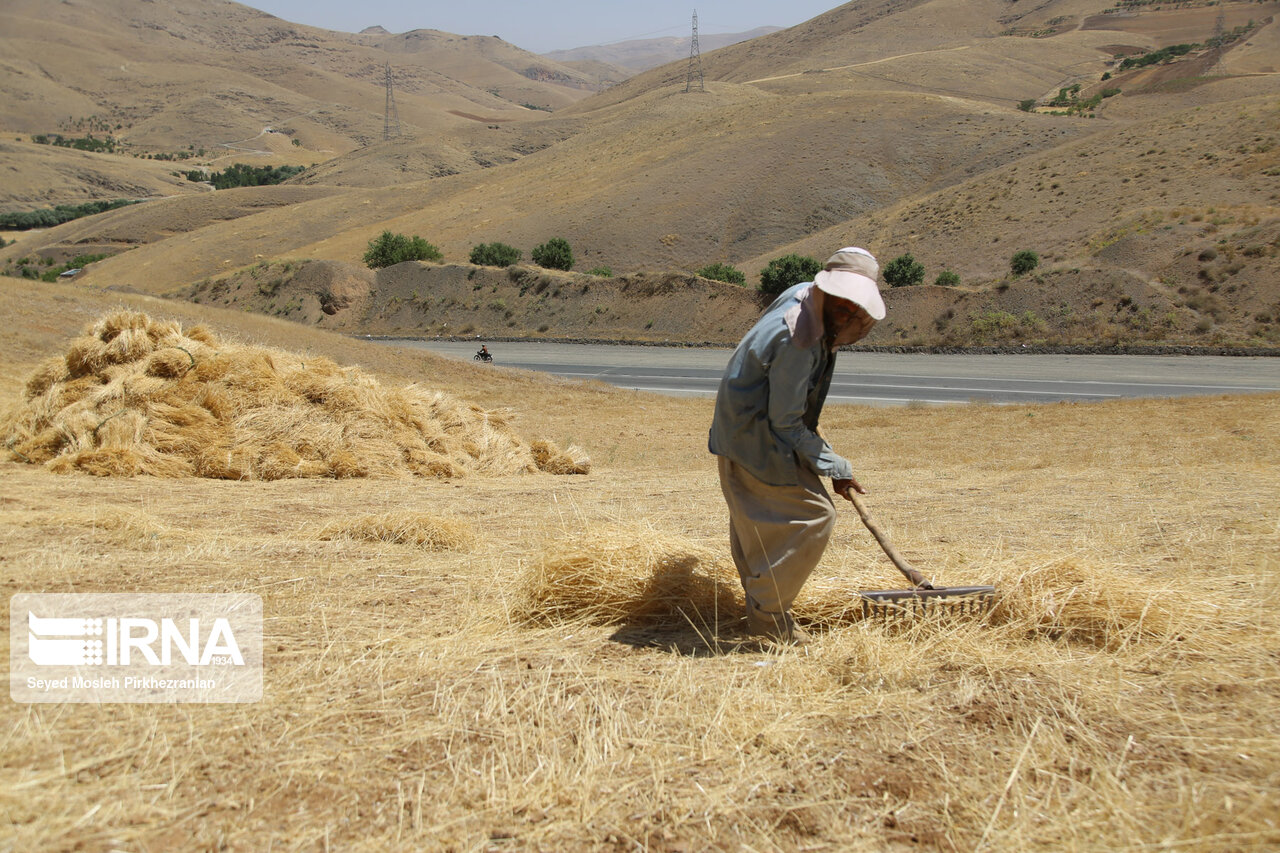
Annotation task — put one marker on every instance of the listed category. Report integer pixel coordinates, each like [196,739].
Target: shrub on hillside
[388,249]
[1164,54]
[243,175]
[495,255]
[903,271]
[948,278]
[1027,105]
[76,263]
[83,143]
[1066,96]
[51,216]
[723,272]
[555,254]
[1024,262]
[601,272]
[786,271]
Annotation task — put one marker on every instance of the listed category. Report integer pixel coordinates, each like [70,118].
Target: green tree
[49,217]
[1165,54]
[555,254]
[723,272]
[903,271]
[388,249]
[495,255]
[1024,262]
[1028,105]
[786,271]
[244,175]
[948,278]
[1066,96]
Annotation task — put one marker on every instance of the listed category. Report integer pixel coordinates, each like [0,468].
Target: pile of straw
[1094,606]
[1097,605]
[138,396]
[609,575]
[428,532]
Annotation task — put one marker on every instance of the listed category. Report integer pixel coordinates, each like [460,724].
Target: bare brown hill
[39,176]
[421,300]
[409,159]
[1100,308]
[665,181]
[643,54]
[1187,207]
[894,126]
[209,75]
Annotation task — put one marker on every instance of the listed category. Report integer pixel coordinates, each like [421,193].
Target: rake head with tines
[888,605]
[924,599]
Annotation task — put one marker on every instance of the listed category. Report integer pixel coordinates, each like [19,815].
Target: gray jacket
[766,413]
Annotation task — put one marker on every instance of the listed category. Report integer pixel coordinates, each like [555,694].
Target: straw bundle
[430,533]
[611,575]
[1095,605]
[608,575]
[138,396]
[1098,606]
[550,458]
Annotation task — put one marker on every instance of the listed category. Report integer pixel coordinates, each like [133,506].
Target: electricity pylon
[695,60]
[390,118]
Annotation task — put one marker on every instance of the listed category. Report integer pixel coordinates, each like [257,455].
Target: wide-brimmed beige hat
[851,274]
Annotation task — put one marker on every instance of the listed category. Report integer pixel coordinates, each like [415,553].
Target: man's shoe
[777,627]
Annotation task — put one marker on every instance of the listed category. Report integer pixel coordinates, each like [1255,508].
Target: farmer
[765,435]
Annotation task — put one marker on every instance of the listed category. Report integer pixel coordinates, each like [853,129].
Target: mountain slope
[40,176]
[642,187]
[191,74]
[887,124]
[643,54]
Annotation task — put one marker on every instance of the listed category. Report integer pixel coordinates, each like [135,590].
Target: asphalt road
[897,379]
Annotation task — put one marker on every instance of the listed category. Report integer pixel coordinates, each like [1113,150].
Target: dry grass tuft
[138,396]
[1094,605]
[1124,696]
[428,532]
[609,575]
[576,677]
[550,458]
[1098,606]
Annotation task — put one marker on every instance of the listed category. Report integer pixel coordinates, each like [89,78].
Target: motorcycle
[483,355]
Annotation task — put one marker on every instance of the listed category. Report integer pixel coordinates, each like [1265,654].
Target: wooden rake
[923,599]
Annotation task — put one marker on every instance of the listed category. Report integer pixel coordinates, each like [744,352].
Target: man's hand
[844,487]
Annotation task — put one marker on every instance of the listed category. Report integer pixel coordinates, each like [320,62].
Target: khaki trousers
[777,534]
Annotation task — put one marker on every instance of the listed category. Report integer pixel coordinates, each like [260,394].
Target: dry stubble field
[553,662]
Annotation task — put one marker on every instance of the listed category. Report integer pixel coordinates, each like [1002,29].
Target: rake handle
[911,572]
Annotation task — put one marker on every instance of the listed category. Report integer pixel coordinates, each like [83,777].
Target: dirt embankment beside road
[1100,310]
[415,299]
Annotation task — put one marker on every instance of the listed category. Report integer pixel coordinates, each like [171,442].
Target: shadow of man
[684,611]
